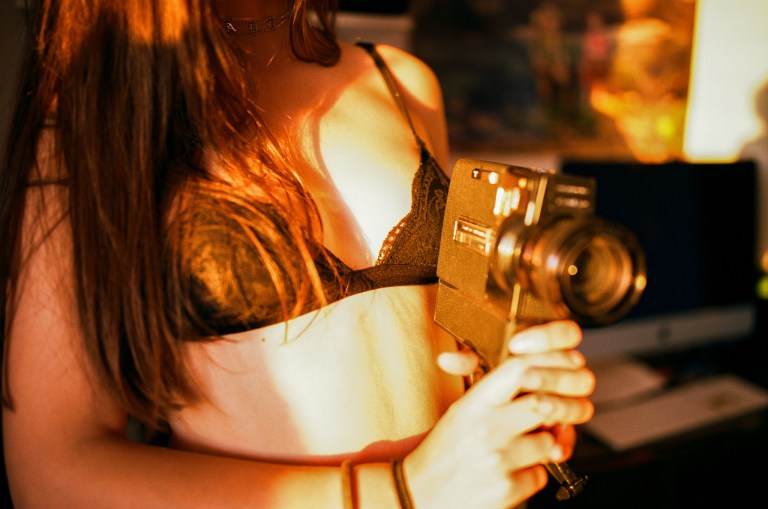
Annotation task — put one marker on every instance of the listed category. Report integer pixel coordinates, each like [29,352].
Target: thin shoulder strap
[391,84]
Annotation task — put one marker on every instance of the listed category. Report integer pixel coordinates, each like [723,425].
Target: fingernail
[556,453]
[522,343]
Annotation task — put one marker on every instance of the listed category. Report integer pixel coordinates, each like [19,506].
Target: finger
[526,483]
[499,386]
[570,359]
[525,451]
[530,413]
[557,335]
[562,382]
[565,437]
[558,410]
[511,489]
[515,375]
[461,363]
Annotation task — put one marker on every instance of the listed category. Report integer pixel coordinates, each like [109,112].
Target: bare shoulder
[423,95]
[413,74]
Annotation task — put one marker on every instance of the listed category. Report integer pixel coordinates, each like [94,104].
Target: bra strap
[391,84]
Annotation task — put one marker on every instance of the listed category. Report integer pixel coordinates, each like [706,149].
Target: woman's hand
[488,449]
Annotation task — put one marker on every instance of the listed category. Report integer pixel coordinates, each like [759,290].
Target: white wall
[730,64]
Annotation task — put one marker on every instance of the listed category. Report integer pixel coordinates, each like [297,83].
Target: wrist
[401,485]
[376,486]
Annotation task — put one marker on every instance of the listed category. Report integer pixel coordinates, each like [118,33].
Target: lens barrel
[586,269]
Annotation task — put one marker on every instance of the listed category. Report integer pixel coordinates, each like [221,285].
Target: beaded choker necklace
[247,26]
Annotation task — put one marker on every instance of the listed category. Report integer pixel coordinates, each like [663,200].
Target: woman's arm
[66,446]
[65,439]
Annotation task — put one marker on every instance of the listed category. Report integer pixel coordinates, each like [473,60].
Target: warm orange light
[646,91]
[653,130]
[173,16]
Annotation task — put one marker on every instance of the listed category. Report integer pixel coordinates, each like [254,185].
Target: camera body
[521,246]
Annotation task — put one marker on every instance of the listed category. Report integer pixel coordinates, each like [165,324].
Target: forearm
[109,472]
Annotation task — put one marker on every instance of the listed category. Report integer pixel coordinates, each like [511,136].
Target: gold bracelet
[403,493]
[348,484]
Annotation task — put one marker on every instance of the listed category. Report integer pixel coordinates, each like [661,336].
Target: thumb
[461,363]
[500,385]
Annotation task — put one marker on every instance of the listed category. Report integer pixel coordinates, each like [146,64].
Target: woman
[210,229]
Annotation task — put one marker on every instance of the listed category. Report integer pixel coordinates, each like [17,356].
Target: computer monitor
[697,225]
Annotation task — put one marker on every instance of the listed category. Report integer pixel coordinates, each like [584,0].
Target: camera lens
[598,275]
[587,269]
[593,268]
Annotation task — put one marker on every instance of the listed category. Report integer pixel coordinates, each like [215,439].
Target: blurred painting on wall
[586,78]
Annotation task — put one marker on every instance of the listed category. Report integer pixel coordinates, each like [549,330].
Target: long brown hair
[136,92]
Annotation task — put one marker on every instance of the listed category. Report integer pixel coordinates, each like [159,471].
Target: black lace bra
[233,292]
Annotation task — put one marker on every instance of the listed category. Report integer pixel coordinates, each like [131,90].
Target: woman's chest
[358,157]
[338,382]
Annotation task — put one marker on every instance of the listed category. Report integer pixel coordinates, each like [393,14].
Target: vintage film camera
[522,246]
